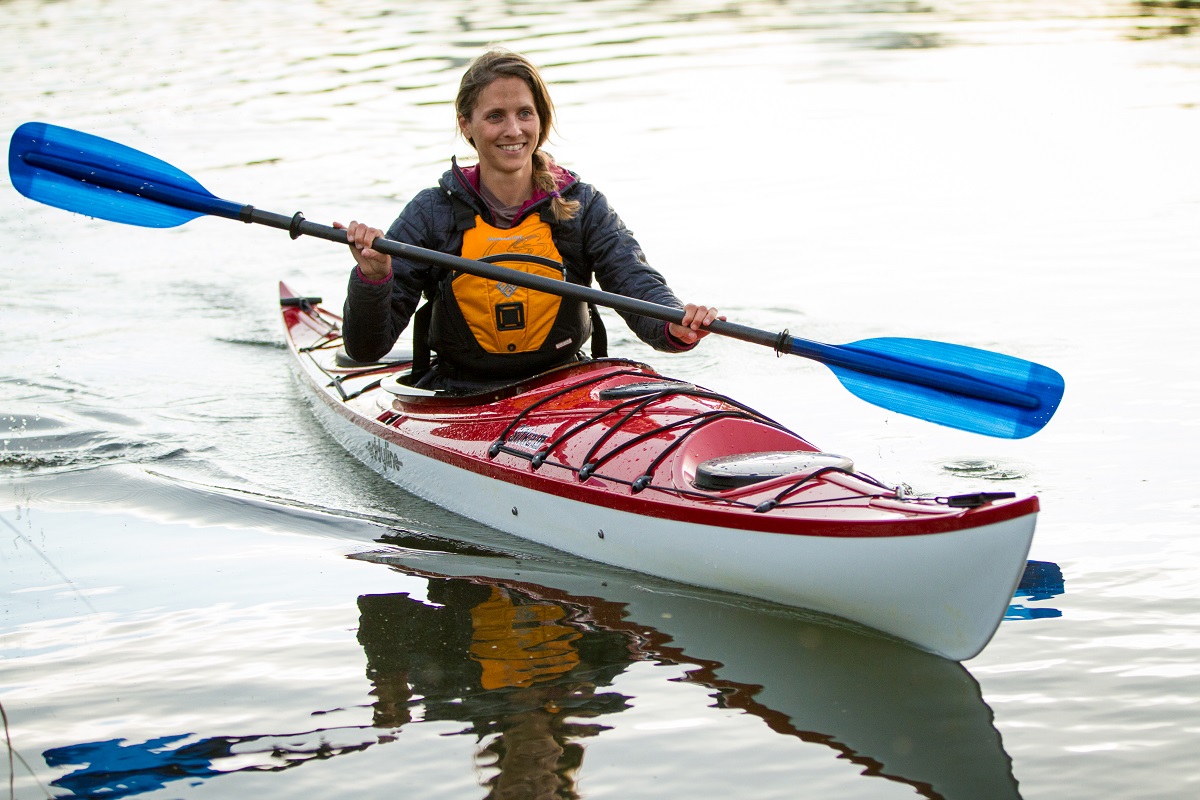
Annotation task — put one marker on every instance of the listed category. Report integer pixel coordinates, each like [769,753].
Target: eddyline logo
[381,453]
[527,436]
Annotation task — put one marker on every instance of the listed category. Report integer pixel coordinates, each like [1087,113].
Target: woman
[518,208]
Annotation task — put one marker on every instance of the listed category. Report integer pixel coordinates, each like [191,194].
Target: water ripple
[37,442]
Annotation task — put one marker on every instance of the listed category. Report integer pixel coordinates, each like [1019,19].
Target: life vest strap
[422,359]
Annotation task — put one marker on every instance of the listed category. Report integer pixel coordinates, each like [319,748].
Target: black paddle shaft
[781,343]
[298,226]
[859,362]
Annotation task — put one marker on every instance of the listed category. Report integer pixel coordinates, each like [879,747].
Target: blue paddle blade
[949,384]
[99,178]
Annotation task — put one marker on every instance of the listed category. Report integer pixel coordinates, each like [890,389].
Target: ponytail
[544,179]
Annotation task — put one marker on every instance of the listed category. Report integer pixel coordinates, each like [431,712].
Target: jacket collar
[467,178]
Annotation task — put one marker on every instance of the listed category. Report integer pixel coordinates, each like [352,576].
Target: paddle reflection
[528,669]
[1042,580]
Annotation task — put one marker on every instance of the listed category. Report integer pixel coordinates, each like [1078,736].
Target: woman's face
[504,127]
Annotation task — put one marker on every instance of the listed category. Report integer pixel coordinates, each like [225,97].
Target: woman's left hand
[696,320]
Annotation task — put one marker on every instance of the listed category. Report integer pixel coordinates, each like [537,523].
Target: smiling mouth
[511,148]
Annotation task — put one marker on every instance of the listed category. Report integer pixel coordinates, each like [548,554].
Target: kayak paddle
[961,387]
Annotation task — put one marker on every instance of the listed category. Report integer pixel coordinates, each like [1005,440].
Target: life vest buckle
[510,316]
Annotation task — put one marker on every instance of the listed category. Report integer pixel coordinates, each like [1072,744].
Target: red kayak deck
[615,433]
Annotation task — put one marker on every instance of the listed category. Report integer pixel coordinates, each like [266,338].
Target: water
[202,590]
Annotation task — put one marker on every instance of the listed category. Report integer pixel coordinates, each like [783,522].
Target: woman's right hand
[373,265]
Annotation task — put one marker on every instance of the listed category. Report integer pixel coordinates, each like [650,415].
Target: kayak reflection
[526,655]
[534,649]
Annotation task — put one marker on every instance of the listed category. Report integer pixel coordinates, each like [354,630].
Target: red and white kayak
[611,461]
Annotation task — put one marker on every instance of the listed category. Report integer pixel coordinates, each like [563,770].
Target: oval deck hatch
[744,469]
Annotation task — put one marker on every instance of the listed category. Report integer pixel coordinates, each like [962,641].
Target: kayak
[612,461]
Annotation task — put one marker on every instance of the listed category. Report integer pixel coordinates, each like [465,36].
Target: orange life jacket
[493,329]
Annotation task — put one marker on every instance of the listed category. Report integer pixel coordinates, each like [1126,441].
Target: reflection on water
[116,768]
[521,672]
[529,672]
[1042,580]
[1167,18]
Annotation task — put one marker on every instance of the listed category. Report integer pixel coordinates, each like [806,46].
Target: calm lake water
[203,596]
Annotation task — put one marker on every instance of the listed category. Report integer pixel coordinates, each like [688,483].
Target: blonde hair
[504,64]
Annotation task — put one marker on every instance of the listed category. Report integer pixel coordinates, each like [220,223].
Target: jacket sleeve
[620,267]
[375,314]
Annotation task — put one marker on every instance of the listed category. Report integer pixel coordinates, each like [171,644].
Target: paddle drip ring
[294,229]
[781,343]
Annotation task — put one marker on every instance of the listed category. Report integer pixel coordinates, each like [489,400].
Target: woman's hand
[696,320]
[375,266]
